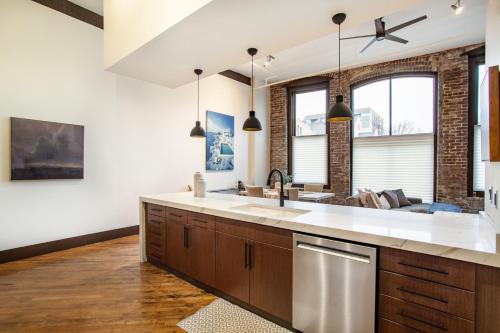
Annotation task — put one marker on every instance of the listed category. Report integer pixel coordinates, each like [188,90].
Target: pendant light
[339,111]
[252,124]
[198,131]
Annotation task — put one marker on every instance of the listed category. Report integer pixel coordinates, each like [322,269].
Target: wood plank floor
[95,288]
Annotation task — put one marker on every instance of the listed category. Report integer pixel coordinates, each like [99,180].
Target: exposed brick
[452,147]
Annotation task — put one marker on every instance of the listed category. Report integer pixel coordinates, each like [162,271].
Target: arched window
[393,134]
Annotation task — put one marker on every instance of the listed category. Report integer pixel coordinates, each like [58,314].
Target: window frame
[389,77]
[475,58]
[305,86]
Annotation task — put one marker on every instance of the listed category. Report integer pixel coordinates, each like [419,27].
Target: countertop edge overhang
[465,237]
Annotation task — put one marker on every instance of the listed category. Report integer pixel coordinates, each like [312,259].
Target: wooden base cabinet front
[254,265]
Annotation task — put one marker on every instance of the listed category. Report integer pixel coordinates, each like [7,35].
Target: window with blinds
[393,135]
[393,162]
[478,169]
[309,141]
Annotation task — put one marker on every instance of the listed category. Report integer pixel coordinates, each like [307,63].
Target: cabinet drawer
[421,318]
[155,248]
[437,296]
[201,220]
[156,210]
[155,225]
[442,270]
[387,326]
[259,233]
[177,215]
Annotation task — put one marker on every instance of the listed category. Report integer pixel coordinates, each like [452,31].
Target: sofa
[416,204]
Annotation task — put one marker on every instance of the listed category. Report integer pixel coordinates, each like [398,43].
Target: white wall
[136,134]
[132,23]
[492,58]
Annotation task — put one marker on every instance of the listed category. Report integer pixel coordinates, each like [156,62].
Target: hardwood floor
[95,288]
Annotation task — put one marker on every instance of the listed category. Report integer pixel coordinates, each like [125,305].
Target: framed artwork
[220,142]
[45,150]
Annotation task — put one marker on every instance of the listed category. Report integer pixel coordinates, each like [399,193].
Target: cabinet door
[176,249]
[231,269]
[201,249]
[271,279]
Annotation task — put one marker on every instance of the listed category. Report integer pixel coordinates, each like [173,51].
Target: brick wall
[452,71]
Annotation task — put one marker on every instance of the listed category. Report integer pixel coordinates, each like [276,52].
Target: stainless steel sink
[270,211]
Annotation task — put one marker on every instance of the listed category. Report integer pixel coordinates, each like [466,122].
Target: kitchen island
[435,272]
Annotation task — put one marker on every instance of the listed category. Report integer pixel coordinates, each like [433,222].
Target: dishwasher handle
[333,252]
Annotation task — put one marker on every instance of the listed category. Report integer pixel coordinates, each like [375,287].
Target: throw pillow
[384,202]
[403,201]
[363,196]
[374,201]
[392,198]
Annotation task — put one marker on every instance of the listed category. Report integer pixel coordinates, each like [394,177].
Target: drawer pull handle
[155,244]
[422,295]
[155,221]
[411,317]
[198,220]
[175,215]
[157,210]
[424,268]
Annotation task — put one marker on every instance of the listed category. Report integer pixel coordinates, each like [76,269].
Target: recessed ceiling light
[457,7]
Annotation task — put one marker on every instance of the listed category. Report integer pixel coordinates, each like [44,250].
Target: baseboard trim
[64,244]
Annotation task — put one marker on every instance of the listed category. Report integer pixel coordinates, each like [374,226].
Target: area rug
[220,316]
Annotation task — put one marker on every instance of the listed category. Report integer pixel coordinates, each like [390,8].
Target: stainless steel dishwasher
[333,286]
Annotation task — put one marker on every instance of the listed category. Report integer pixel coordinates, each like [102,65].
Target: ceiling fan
[381,33]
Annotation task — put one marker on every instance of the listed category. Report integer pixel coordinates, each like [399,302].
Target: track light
[269,58]
[457,7]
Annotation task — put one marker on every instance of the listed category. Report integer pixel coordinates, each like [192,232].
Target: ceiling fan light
[340,111]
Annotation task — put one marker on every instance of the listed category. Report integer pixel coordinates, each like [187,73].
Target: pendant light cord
[252,86]
[198,97]
[340,89]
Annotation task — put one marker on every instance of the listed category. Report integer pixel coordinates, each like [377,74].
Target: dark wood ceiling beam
[237,77]
[75,11]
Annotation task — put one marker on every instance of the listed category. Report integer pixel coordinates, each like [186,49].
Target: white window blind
[477,165]
[309,158]
[393,162]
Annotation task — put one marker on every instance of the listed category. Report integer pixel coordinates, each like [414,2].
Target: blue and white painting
[220,142]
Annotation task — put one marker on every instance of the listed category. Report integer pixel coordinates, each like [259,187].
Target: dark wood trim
[391,76]
[306,86]
[478,51]
[476,58]
[237,77]
[221,294]
[75,11]
[64,244]
[308,81]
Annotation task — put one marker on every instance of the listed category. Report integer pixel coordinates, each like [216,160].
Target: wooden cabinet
[231,274]
[155,234]
[271,279]
[425,294]
[201,248]
[177,254]
[254,264]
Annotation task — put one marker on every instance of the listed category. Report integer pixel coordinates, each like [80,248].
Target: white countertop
[467,237]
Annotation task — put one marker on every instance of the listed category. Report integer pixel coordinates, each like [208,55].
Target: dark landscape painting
[45,150]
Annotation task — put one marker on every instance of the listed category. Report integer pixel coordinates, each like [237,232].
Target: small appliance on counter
[200,185]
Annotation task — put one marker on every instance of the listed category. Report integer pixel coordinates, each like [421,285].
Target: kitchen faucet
[282,192]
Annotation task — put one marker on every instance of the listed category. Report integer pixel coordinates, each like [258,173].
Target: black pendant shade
[340,111]
[252,124]
[198,131]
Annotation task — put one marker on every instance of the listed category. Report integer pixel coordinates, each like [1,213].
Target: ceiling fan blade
[396,39]
[404,25]
[379,26]
[368,45]
[353,37]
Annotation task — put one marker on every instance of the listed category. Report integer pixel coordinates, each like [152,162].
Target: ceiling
[442,30]
[216,36]
[93,5]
